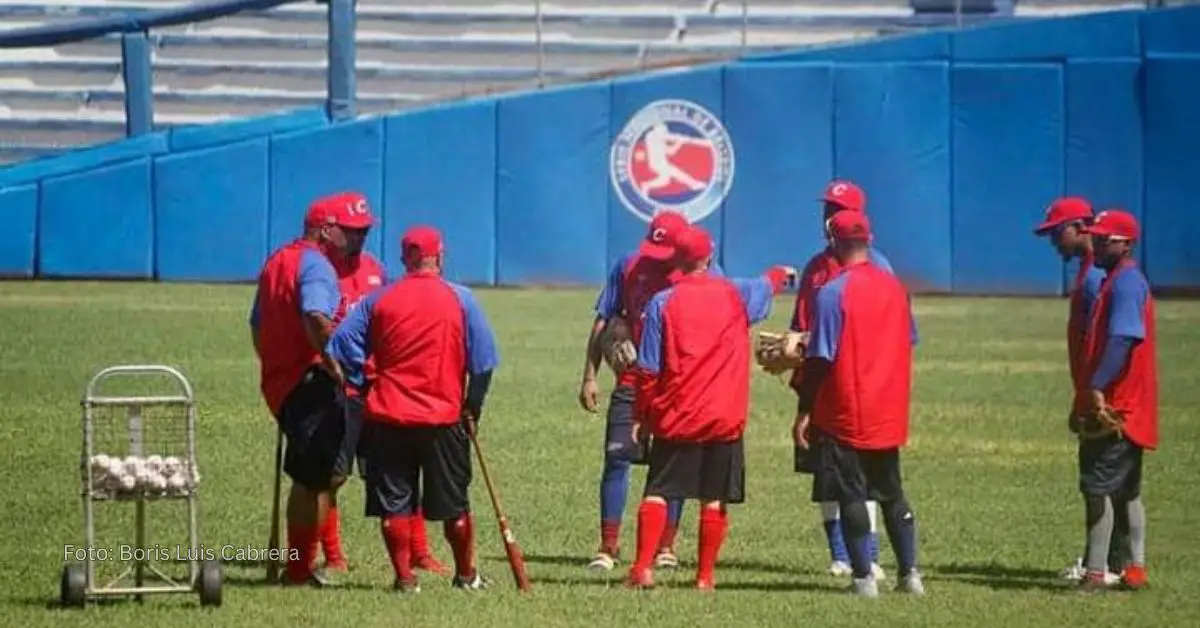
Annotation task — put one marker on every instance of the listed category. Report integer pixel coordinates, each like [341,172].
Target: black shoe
[474,583]
[406,586]
[317,579]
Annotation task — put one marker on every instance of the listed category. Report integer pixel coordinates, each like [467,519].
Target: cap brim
[1045,227]
[660,252]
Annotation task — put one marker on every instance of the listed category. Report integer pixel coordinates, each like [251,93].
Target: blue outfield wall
[960,140]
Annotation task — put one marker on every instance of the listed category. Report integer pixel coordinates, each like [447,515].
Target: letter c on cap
[839,189]
[658,235]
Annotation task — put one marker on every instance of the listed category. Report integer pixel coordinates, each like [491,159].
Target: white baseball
[143,477]
[115,467]
[154,464]
[128,482]
[171,466]
[158,483]
[99,463]
[176,483]
[133,464]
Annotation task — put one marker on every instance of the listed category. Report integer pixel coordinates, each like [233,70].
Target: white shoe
[866,587]
[839,568]
[1074,572]
[1111,578]
[602,562]
[878,572]
[911,584]
[666,559]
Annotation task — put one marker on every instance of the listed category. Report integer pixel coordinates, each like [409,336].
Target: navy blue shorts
[705,471]
[1110,467]
[844,474]
[411,466]
[319,446]
[618,431]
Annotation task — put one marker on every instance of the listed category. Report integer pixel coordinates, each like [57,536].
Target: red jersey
[358,277]
[1125,307]
[425,335]
[296,279]
[694,357]
[863,326]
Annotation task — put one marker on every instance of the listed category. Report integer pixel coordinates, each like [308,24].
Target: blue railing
[136,68]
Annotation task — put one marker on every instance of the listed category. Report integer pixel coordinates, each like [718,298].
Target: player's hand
[589,390]
[635,434]
[334,369]
[800,431]
[1098,401]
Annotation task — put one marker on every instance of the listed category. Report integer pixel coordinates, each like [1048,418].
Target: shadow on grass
[730,564]
[53,603]
[261,581]
[762,567]
[563,560]
[998,577]
[798,585]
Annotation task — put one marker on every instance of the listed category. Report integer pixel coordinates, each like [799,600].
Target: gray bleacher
[409,52]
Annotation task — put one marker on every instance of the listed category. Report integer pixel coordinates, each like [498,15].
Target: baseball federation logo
[673,154]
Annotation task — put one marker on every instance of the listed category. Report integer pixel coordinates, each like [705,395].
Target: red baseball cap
[345,209]
[849,225]
[1114,223]
[419,243]
[692,245]
[660,237]
[1064,210]
[845,194]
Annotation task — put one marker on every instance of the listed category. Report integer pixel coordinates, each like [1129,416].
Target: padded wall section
[552,186]
[211,212]
[208,135]
[1008,164]
[1172,171]
[781,119]
[1174,30]
[893,138]
[439,169]
[97,223]
[18,240]
[1107,34]
[696,188]
[84,159]
[313,163]
[1104,134]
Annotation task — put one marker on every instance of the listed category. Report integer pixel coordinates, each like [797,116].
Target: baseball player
[1121,421]
[1064,224]
[359,273]
[291,319]
[632,281]
[693,386]
[852,412]
[839,196]
[434,355]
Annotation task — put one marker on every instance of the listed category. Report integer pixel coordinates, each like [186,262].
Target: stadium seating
[409,51]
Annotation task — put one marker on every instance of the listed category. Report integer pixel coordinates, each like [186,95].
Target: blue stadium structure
[411,52]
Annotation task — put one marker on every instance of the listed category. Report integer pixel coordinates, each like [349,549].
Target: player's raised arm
[758,294]
[482,355]
[317,286]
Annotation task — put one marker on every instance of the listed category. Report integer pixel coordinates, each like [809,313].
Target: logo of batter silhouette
[673,154]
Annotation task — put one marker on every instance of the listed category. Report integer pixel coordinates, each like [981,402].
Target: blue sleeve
[608,304]
[827,321]
[317,285]
[350,344]
[880,260]
[757,296]
[255,314]
[650,348]
[482,355]
[1129,293]
[715,270]
[1116,354]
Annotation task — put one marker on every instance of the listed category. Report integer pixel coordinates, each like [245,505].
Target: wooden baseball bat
[515,560]
[273,539]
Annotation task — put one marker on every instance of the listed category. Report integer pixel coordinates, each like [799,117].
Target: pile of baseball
[154,476]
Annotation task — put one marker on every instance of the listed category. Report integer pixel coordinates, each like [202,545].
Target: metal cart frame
[204,576]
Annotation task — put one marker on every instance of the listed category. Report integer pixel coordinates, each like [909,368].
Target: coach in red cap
[632,281]
[1121,373]
[692,396]
[854,401]
[434,354]
[840,196]
[294,308]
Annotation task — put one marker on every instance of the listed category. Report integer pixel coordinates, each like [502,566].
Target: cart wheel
[209,583]
[73,589]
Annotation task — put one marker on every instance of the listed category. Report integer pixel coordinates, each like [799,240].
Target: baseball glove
[616,345]
[1104,421]
[778,353]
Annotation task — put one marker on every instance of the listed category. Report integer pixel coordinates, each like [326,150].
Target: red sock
[460,533]
[652,518]
[713,524]
[302,539]
[331,537]
[610,536]
[397,536]
[420,537]
[668,537]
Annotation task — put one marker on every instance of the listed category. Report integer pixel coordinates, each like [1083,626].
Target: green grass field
[990,470]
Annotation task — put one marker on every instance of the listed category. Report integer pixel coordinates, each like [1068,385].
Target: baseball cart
[139,449]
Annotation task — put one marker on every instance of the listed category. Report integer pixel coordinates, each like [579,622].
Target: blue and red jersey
[632,282]
[820,269]
[425,335]
[1084,289]
[1121,349]
[863,326]
[357,277]
[694,357]
[296,280]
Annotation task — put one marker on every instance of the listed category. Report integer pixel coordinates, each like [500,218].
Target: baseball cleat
[666,559]
[878,572]
[912,584]
[474,583]
[317,579]
[406,586]
[602,561]
[865,587]
[705,584]
[840,568]
[1092,583]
